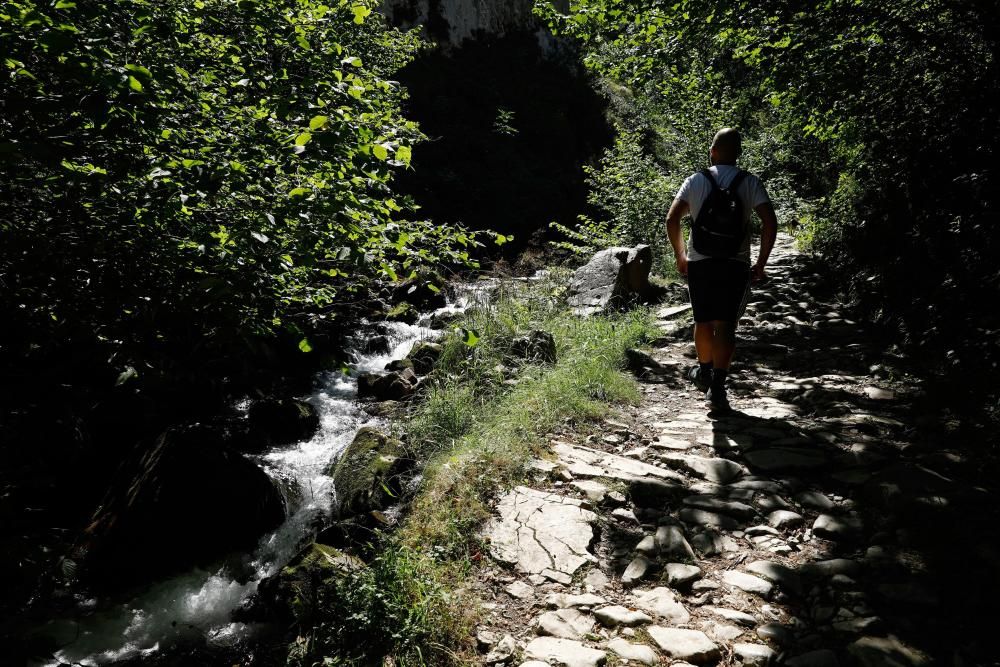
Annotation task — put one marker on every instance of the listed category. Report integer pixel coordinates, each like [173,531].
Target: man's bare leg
[723,344]
[704,341]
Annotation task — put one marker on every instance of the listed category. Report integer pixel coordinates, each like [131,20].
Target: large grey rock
[564,600]
[886,652]
[636,570]
[708,519]
[740,617]
[689,645]
[649,492]
[636,652]
[566,623]
[541,532]
[680,575]
[748,583]
[720,471]
[832,527]
[368,474]
[784,519]
[671,543]
[502,652]
[185,499]
[616,615]
[754,655]
[565,652]
[610,279]
[661,602]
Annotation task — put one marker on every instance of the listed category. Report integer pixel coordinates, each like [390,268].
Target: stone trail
[799,528]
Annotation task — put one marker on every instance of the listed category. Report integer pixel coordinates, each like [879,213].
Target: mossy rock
[403,312]
[296,592]
[367,475]
[399,365]
[424,355]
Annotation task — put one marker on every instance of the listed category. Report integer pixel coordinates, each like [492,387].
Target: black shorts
[719,289]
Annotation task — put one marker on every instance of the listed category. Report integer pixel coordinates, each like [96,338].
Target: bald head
[727,146]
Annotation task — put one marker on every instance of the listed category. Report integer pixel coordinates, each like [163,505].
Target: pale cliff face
[462,19]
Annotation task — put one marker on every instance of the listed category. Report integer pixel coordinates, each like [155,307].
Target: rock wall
[453,21]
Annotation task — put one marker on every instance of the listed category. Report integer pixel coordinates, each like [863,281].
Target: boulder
[293,594]
[611,279]
[392,386]
[424,355]
[367,476]
[536,346]
[283,421]
[403,312]
[184,500]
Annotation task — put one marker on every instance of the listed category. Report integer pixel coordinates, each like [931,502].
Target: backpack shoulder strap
[707,173]
[740,175]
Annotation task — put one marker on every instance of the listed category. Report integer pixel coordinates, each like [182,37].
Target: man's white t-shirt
[695,191]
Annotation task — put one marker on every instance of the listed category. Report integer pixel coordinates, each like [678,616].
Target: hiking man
[717,260]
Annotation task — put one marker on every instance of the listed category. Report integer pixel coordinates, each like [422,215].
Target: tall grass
[483,418]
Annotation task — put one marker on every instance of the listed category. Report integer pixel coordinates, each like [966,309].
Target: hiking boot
[717,398]
[701,378]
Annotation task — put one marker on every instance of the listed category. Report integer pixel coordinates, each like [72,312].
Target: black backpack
[719,230]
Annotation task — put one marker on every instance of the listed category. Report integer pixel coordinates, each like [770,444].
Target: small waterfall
[200,603]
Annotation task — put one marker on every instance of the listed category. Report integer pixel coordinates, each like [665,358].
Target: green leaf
[317,122]
[298,192]
[65,4]
[469,336]
[303,139]
[304,345]
[134,84]
[404,154]
[501,239]
[360,13]
[380,152]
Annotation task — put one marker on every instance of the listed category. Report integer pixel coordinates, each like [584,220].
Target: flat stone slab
[783,576]
[636,570]
[564,600]
[720,506]
[738,617]
[616,615]
[720,471]
[541,533]
[680,575]
[661,602]
[587,462]
[565,652]
[748,582]
[565,623]
[832,527]
[638,652]
[690,645]
[594,491]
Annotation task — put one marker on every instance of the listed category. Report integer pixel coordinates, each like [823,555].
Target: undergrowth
[484,416]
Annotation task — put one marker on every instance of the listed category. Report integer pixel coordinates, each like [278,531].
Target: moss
[366,475]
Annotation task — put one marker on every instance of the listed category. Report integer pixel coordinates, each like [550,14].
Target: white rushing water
[200,603]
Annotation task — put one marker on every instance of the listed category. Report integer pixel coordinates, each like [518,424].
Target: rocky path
[821,522]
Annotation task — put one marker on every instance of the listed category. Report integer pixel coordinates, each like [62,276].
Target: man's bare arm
[677,211]
[769,233]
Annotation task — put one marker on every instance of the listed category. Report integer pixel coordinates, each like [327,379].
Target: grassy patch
[477,427]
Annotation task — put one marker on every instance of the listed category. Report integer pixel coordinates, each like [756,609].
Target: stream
[199,604]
